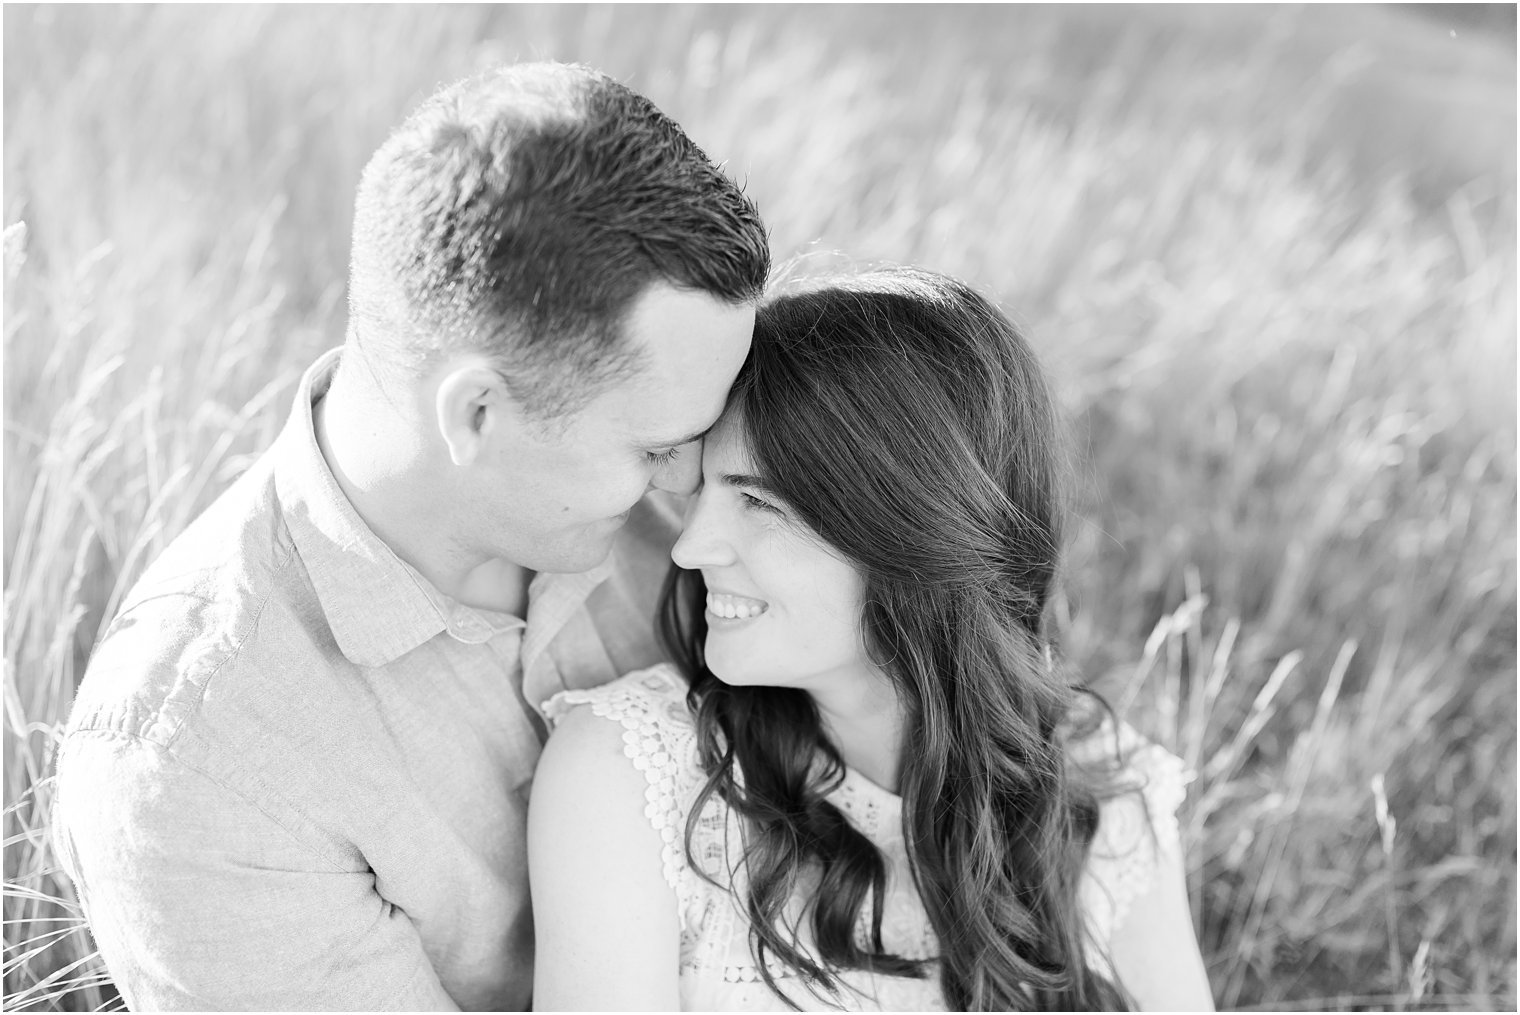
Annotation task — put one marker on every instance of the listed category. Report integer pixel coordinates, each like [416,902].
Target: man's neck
[497,585]
[379,461]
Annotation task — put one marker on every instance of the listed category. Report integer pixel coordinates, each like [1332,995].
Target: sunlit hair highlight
[520,212]
[905,420]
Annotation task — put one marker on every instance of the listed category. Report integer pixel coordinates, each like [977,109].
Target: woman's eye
[759,505]
[661,457]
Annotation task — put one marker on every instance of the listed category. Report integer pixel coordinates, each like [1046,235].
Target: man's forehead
[653,421]
[662,415]
[688,346]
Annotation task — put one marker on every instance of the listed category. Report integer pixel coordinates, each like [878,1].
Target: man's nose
[682,473]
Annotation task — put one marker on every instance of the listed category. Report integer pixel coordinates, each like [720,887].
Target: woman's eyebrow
[747,482]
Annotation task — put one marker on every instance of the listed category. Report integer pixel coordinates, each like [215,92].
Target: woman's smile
[782,607]
[729,609]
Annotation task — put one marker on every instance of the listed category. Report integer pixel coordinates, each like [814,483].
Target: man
[297,770]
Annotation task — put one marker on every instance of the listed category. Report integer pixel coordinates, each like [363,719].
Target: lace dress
[718,971]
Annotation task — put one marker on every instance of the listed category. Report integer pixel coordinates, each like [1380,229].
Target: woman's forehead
[727,445]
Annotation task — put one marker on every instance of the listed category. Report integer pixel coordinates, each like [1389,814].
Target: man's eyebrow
[678,441]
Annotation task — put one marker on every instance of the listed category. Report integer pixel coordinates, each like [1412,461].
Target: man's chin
[584,551]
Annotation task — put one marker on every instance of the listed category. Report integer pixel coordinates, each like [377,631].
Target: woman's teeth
[734,607]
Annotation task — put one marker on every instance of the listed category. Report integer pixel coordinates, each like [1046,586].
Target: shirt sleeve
[200,900]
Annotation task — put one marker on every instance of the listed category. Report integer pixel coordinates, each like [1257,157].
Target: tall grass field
[1268,256]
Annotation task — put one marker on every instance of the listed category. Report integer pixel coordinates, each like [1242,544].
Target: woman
[867,786]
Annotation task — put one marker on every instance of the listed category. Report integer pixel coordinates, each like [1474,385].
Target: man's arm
[608,937]
[200,900]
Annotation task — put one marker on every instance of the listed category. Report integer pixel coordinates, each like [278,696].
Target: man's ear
[473,406]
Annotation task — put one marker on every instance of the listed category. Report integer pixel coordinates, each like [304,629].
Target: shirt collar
[378,607]
[552,600]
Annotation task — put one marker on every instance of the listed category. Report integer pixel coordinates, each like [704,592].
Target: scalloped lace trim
[660,741]
[1136,830]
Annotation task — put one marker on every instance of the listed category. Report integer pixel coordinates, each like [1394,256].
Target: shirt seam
[189,766]
[177,717]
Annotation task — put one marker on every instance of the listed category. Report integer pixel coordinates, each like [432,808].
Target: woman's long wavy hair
[906,421]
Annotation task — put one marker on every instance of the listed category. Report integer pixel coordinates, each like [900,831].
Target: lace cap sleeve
[1137,827]
[660,740]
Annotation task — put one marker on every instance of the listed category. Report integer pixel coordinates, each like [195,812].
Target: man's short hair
[520,213]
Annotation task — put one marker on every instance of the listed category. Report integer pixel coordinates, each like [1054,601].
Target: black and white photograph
[760,507]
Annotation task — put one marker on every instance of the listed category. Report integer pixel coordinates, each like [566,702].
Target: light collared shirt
[296,774]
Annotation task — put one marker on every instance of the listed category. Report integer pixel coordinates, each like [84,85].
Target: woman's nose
[702,542]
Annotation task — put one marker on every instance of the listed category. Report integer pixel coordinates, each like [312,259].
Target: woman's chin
[732,671]
[723,672]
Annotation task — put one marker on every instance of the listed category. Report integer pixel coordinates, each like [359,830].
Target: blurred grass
[1268,254]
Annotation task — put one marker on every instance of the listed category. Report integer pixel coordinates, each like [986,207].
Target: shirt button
[468,629]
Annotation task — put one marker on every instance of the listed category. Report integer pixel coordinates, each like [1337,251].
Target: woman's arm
[1154,950]
[605,919]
